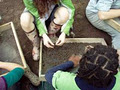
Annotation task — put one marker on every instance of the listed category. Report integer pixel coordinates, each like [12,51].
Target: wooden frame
[8,26]
[69,40]
[114,24]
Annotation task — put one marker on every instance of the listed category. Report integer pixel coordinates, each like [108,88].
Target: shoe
[36,53]
[31,76]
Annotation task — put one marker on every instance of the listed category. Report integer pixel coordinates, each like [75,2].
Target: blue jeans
[102,25]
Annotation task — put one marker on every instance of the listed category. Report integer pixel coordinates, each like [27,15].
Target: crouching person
[97,71]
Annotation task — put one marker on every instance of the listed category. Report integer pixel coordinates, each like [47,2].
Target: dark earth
[8,48]
[10,10]
[61,54]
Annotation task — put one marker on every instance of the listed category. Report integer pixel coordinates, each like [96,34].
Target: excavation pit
[52,57]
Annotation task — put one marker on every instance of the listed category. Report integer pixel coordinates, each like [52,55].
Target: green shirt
[13,76]
[66,81]
[41,25]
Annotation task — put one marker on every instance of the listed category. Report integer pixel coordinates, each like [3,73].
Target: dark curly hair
[43,5]
[98,66]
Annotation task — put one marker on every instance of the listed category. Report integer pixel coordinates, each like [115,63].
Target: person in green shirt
[15,74]
[97,70]
[49,17]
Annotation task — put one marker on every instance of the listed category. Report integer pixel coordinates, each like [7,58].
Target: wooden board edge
[40,61]
[113,24]
[18,45]
[91,40]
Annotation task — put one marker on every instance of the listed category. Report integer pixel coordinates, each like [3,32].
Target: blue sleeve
[104,5]
[13,76]
[63,67]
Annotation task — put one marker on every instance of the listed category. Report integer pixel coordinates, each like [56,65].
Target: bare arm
[112,13]
[9,66]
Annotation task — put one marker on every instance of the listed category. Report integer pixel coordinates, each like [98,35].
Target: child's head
[98,65]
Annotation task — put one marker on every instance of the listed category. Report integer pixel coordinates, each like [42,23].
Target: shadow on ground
[11,11]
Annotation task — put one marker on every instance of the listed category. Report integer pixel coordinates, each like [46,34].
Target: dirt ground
[61,54]
[10,10]
[8,48]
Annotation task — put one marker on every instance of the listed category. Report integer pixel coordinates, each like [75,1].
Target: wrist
[44,35]
[71,62]
[63,33]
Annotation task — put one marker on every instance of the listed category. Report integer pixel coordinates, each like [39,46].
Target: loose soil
[10,10]
[8,48]
[58,55]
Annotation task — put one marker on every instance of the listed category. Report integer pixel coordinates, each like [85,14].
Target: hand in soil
[61,39]
[88,47]
[75,59]
[47,42]
[53,39]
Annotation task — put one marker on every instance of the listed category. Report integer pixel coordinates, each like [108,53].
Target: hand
[47,42]
[88,47]
[75,59]
[61,39]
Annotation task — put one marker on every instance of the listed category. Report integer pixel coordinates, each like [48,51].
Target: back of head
[98,65]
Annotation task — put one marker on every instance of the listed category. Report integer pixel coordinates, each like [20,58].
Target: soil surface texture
[8,48]
[58,55]
[10,10]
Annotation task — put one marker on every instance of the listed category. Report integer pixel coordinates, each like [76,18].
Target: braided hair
[98,66]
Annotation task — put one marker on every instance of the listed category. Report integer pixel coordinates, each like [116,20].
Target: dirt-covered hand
[88,47]
[61,39]
[47,42]
[75,59]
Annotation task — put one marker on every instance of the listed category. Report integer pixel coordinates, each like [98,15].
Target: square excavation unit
[10,49]
[58,55]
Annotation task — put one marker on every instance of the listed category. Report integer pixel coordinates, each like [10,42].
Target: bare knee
[26,21]
[61,15]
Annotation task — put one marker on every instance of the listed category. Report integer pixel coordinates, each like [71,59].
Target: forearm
[9,66]
[13,76]
[112,13]
[65,66]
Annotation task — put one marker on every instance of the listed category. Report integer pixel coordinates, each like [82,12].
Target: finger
[51,43]
[79,55]
[73,55]
[58,42]
[49,46]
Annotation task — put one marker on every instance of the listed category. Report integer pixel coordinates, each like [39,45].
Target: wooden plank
[42,78]
[5,27]
[40,61]
[69,40]
[18,45]
[10,25]
[114,24]
[86,40]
